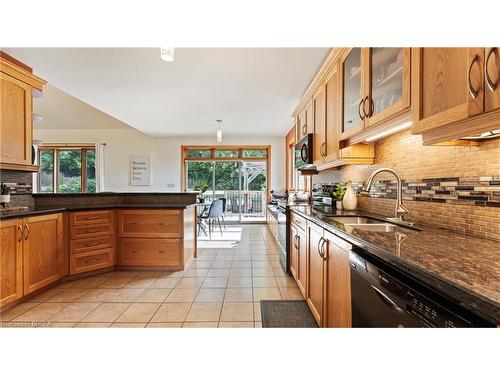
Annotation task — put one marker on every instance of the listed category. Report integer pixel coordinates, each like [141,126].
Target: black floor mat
[286,314]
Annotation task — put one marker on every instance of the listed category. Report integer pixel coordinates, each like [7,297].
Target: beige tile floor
[222,288]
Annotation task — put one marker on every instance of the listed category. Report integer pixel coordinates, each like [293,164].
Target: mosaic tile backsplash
[21,187]
[479,191]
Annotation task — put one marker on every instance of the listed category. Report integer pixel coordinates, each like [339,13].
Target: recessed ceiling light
[167,54]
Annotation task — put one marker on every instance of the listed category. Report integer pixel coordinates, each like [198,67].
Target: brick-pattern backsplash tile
[452,187]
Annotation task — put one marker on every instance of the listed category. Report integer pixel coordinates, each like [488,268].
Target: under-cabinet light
[390,131]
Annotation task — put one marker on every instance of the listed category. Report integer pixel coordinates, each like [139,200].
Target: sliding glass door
[242,183]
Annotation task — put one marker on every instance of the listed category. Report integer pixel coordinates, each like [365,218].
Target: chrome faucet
[400,208]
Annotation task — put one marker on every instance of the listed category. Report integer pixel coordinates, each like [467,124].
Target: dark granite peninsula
[69,236]
[51,203]
[464,268]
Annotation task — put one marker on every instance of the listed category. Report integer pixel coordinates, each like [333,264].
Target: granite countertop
[464,268]
[46,203]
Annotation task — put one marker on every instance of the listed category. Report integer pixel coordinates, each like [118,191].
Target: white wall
[165,154]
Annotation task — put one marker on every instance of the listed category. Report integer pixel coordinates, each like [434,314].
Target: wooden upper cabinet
[15,119]
[305,120]
[353,91]
[332,114]
[375,86]
[43,251]
[448,86]
[319,120]
[492,79]
[11,261]
[16,85]
[386,76]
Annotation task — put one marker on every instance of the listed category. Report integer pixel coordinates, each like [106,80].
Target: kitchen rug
[286,314]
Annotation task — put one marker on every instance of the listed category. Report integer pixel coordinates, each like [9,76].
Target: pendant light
[219,131]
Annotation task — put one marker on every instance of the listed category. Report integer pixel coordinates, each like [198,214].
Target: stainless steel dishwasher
[383,297]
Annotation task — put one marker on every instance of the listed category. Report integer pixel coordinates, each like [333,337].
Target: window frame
[213,148]
[56,149]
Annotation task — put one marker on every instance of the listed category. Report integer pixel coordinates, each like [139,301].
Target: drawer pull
[137,251]
[162,251]
[92,231]
[146,223]
[92,260]
[92,217]
[93,244]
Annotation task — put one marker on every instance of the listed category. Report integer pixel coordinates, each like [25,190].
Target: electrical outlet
[170,186]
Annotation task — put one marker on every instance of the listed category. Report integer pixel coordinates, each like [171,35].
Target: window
[198,153]
[254,153]
[66,169]
[226,153]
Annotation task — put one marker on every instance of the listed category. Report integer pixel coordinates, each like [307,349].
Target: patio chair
[213,215]
[224,206]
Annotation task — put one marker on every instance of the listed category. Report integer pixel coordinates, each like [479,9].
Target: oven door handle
[389,302]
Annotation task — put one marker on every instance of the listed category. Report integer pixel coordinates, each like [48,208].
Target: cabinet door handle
[473,92]
[372,107]
[19,233]
[491,85]
[361,104]
[26,231]
[304,129]
[366,99]
[323,252]
[320,243]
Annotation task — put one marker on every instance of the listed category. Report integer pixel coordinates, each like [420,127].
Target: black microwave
[304,152]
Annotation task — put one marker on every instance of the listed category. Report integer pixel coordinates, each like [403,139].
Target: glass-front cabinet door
[353,92]
[388,79]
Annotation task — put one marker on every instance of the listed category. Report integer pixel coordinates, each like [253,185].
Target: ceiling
[63,111]
[252,90]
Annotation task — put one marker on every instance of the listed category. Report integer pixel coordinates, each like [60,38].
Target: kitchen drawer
[88,244]
[150,252]
[94,230]
[298,221]
[91,217]
[151,223]
[91,260]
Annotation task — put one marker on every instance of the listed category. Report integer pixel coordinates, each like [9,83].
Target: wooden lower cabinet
[316,270]
[42,251]
[92,240]
[337,307]
[151,252]
[298,258]
[156,238]
[91,260]
[328,289]
[11,261]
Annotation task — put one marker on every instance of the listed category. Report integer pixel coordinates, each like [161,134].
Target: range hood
[486,135]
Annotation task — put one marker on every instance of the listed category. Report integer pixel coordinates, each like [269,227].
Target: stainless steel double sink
[368,224]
